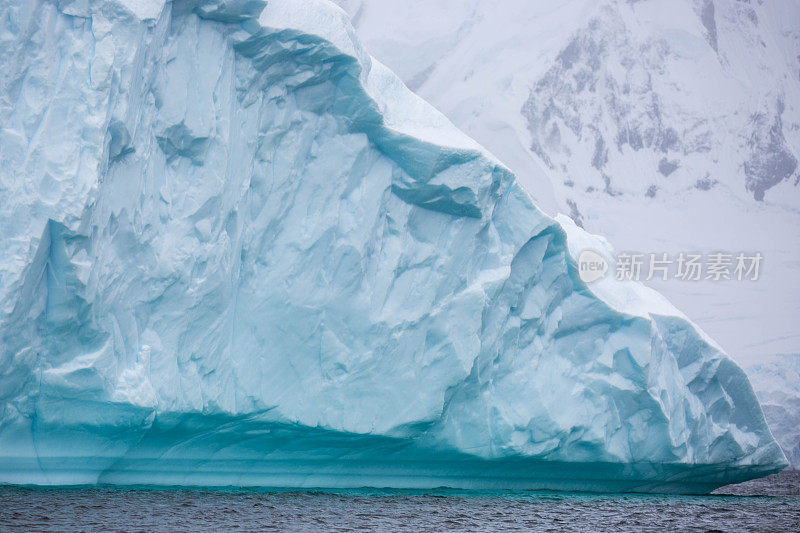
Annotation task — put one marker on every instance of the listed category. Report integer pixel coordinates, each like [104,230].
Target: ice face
[776,381]
[653,132]
[237,251]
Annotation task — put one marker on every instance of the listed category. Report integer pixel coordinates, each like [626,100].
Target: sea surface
[770,504]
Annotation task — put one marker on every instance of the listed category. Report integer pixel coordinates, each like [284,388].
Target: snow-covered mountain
[238,251]
[667,126]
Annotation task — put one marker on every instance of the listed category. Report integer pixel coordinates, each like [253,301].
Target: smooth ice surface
[238,251]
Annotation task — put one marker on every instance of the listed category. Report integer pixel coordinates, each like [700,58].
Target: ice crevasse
[238,251]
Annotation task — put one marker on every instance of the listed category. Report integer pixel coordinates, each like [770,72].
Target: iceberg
[237,250]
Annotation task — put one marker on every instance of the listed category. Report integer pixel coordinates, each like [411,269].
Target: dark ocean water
[772,504]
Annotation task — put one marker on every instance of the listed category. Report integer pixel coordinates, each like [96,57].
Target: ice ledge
[402,110]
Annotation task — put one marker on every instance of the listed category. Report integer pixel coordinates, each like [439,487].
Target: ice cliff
[238,251]
[776,381]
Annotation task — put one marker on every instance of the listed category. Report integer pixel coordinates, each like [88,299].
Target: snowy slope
[238,251]
[667,126]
